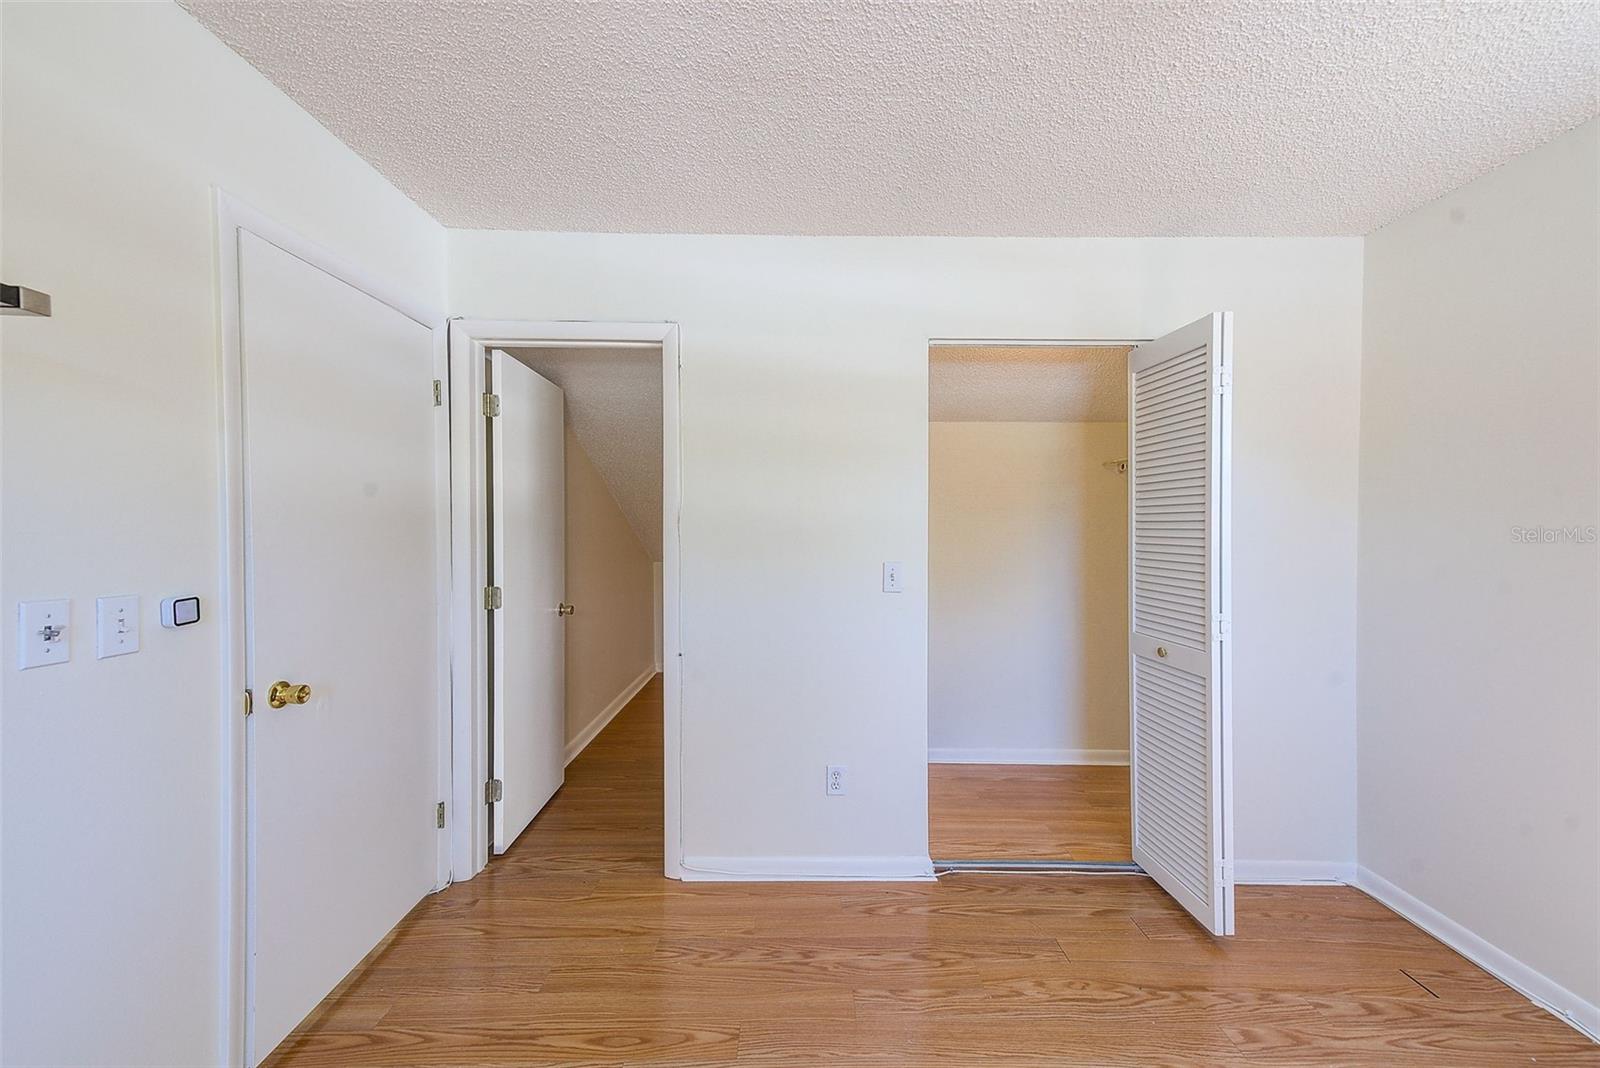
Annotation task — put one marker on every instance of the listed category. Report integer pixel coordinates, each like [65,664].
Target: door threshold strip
[1080,867]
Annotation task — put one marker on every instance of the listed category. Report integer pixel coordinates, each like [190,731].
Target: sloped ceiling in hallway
[613,406]
[928,117]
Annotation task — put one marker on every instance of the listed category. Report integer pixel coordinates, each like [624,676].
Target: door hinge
[438,393]
[438,814]
[1224,379]
[249,702]
[491,404]
[493,791]
[1224,627]
[492,597]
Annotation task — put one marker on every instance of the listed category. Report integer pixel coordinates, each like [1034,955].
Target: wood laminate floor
[1028,812]
[573,950]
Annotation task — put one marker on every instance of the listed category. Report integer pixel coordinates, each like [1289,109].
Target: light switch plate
[893,577]
[116,626]
[44,633]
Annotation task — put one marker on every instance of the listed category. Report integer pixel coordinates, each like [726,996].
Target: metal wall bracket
[20,300]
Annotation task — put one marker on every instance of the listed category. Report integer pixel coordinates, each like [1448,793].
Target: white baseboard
[1027,756]
[607,714]
[806,869]
[1292,872]
[1533,984]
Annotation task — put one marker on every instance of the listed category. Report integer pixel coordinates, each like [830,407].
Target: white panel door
[341,597]
[1179,393]
[529,531]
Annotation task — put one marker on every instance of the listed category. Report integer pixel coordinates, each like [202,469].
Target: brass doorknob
[288,693]
[1161,650]
[565,609]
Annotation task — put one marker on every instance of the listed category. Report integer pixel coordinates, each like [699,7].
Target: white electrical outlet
[836,779]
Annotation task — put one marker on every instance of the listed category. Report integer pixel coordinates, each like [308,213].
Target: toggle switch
[44,633]
[116,626]
[893,576]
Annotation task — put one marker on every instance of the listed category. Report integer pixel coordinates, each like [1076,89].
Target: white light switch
[116,626]
[892,581]
[44,633]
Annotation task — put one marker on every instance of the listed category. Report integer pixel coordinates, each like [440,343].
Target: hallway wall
[611,581]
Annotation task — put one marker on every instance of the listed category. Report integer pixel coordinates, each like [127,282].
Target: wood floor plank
[518,1042]
[572,950]
[1304,978]
[986,1041]
[1102,1001]
[1348,1041]
[1028,812]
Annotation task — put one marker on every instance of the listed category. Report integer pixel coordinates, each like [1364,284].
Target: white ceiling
[1006,117]
[1028,384]
[613,403]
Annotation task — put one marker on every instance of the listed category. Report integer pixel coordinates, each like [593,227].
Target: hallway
[573,950]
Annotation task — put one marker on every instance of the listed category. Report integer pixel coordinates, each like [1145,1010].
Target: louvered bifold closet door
[1179,399]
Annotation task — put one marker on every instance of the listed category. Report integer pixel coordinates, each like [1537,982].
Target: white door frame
[470,342]
[232,217]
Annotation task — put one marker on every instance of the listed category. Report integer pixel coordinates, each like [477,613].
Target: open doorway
[1028,603]
[574,488]
[565,524]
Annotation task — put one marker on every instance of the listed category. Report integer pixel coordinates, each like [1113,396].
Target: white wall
[118,120]
[1027,592]
[610,580]
[1479,779]
[805,441]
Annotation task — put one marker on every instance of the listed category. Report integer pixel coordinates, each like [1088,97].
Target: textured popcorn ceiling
[614,410]
[1028,384]
[1119,117]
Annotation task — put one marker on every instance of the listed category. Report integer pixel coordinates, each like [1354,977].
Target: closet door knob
[288,693]
[565,609]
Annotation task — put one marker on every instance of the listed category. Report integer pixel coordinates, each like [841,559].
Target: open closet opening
[1028,628]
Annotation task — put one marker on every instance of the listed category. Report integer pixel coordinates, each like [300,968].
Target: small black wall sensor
[180,611]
